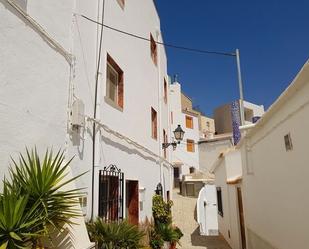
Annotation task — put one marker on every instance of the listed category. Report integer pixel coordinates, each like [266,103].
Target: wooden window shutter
[154,128]
[120,92]
[189,122]
[190,145]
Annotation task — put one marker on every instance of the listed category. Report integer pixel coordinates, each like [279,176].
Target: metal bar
[241,93]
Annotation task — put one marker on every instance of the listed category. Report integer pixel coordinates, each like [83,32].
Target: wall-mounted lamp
[178,134]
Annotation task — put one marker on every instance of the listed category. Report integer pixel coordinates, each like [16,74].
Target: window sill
[112,104]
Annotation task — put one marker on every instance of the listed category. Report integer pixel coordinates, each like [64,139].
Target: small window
[154,132]
[219,201]
[153,50]
[190,145]
[172,118]
[165,92]
[288,142]
[121,3]
[189,122]
[114,82]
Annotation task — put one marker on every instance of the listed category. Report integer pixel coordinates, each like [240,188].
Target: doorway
[176,177]
[132,201]
[241,218]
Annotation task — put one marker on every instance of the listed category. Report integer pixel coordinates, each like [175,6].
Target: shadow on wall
[126,149]
[209,242]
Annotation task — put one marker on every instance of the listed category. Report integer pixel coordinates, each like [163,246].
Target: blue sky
[273,38]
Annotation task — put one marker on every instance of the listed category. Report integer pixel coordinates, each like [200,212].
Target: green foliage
[161,210]
[155,239]
[18,225]
[115,235]
[33,202]
[43,181]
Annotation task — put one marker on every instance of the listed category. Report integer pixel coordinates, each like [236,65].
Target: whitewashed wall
[209,152]
[187,159]
[228,168]
[276,180]
[37,88]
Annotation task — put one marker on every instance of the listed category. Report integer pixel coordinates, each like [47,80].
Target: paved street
[184,217]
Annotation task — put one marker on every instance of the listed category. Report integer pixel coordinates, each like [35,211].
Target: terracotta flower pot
[173,245]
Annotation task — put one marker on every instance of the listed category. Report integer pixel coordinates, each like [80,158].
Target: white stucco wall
[209,152]
[228,167]
[275,180]
[181,155]
[37,88]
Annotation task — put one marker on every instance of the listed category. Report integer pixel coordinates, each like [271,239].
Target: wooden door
[241,219]
[132,202]
[176,177]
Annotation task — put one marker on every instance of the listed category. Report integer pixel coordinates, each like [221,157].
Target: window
[288,142]
[153,50]
[165,91]
[121,3]
[190,145]
[114,83]
[219,201]
[189,122]
[164,141]
[154,132]
[172,118]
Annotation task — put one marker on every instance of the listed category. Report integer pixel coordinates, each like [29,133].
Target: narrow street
[184,217]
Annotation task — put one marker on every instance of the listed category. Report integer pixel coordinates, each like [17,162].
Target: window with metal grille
[219,201]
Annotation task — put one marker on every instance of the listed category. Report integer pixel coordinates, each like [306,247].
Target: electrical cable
[160,43]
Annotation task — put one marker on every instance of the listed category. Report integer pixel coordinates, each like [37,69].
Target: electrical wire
[160,43]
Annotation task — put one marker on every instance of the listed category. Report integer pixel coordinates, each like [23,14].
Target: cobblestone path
[184,215]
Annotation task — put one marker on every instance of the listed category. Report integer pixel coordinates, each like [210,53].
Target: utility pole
[241,92]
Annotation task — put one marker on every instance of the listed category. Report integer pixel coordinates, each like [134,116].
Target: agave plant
[18,226]
[42,181]
[120,235]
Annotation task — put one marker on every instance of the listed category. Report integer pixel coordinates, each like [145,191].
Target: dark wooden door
[132,202]
[241,218]
[176,177]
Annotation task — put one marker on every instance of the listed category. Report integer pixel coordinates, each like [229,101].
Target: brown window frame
[164,141]
[153,50]
[165,91]
[154,124]
[191,122]
[190,142]
[112,65]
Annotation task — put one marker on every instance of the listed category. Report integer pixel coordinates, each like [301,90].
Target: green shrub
[161,210]
[114,235]
[33,203]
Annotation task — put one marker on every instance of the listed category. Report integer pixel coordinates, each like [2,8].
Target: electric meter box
[78,113]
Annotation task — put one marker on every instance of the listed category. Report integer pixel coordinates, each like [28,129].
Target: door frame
[132,220]
[241,218]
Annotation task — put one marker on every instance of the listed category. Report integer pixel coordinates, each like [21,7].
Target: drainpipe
[95,112]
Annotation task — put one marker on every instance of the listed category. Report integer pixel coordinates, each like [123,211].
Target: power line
[160,43]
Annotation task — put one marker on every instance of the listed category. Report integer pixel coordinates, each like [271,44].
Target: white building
[186,155]
[275,171]
[228,175]
[52,56]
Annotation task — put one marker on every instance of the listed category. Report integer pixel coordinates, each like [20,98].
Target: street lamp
[178,134]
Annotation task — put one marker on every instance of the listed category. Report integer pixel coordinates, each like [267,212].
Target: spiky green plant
[120,235]
[43,181]
[19,225]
